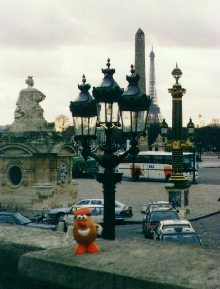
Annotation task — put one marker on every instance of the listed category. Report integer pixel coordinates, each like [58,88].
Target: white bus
[155,165]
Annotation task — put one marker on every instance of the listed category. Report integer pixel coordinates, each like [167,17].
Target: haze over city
[58,41]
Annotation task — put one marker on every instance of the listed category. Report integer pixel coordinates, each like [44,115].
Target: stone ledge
[135,264]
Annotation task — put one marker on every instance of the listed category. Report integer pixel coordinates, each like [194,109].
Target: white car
[181,235]
[167,224]
[120,209]
[97,213]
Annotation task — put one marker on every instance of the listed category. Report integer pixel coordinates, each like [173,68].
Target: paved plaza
[203,198]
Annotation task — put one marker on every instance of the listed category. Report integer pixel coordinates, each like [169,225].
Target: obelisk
[140,69]
[140,58]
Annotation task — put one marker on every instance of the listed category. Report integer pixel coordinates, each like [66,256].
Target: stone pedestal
[178,196]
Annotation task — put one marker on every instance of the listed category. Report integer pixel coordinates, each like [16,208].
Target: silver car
[167,224]
[120,209]
[97,214]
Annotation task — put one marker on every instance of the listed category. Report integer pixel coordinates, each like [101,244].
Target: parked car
[153,218]
[8,218]
[54,215]
[121,210]
[97,214]
[167,224]
[180,235]
[158,204]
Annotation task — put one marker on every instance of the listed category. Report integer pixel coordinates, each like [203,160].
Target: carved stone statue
[28,115]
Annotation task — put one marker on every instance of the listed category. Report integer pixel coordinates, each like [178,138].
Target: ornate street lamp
[177,152]
[85,117]
[134,106]
[191,133]
[109,97]
[178,191]
[164,130]
[191,128]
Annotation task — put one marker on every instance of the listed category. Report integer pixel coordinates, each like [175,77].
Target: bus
[84,169]
[155,165]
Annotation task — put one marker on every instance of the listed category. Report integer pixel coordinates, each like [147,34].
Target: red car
[154,216]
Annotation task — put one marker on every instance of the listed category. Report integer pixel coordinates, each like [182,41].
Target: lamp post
[178,191]
[191,133]
[109,103]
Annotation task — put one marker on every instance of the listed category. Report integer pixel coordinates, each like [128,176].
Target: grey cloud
[46,24]
[38,26]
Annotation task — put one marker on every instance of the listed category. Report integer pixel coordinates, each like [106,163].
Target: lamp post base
[178,196]
[109,181]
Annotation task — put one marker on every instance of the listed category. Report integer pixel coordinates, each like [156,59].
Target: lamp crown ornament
[84,104]
[84,87]
[177,73]
[133,78]
[108,91]
[190,123]
[108,70]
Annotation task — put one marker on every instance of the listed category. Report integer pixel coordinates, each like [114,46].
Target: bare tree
[62,122]
[215,122]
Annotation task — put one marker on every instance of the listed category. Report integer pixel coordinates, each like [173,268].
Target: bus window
[158,159]
[167,160]
[187,163]
[128,159]
[143,159]
[151,159]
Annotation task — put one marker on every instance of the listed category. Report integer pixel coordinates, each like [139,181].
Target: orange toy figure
[84,232]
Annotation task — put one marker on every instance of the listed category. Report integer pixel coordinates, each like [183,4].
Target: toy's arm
[99,229]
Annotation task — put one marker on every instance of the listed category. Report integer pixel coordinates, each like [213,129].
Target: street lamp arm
[95,157]
[121,157]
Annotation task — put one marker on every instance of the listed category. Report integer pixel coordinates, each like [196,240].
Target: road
[209,176]
[208,230]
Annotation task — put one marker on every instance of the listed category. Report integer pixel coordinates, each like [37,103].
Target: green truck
[84,169]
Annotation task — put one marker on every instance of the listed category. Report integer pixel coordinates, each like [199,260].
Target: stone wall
[35,181]
[137,264]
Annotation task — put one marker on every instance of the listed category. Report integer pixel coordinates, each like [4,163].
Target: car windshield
[163,215]
[175,225]
[152,206]
[22,219]
[118,204]
[83,202]
[97,211]
[182,238]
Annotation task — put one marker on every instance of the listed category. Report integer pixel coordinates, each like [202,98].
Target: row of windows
[152,159]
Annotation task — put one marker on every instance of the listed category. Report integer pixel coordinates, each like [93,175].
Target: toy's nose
[82,223]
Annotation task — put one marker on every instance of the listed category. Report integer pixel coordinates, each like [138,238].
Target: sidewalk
[209,162]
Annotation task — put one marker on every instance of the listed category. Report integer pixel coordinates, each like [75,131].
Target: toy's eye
[81,217]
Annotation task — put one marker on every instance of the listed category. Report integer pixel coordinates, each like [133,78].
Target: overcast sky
[57,41]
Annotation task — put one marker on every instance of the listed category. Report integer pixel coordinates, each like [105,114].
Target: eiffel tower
[154,111]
